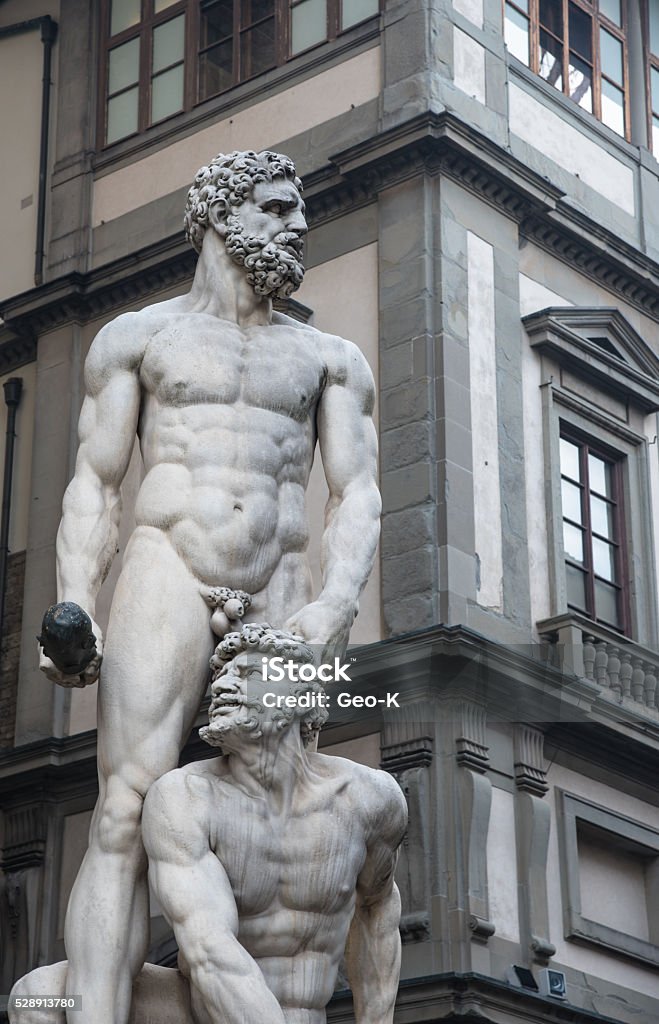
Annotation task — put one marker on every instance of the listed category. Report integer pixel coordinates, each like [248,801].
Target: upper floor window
[579,47]
[591,495]
[652,71]
[161,57]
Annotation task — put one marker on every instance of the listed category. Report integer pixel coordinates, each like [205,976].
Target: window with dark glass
[161,57]
[591,493]
[579,47]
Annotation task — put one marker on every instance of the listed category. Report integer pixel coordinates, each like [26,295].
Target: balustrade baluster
[626,673]
[650,685]
[601,664]
[638,680]
[588,655]
[614,669]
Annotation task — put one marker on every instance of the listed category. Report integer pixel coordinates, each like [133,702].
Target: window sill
[297,69]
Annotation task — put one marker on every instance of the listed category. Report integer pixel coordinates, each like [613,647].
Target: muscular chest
[266,367]
[311,864]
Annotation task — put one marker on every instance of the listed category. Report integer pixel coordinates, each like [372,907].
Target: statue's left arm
[348,446]
[373,949]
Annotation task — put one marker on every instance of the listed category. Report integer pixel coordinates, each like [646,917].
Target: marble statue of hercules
[227,399]
[267,862]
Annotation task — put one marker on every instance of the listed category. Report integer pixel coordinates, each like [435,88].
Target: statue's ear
[217,212]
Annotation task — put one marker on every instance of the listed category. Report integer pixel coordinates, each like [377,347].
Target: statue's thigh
[155,663]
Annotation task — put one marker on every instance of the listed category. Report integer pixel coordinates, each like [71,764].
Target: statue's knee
[117,826]
[38,983]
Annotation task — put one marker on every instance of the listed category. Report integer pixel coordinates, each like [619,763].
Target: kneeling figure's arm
[194,892]
[373,951]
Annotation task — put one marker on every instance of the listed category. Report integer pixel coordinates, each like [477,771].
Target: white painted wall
[259,126]
[589,959]
[502,866]
[470,9]
[570,148]
[484,419]
[468,65]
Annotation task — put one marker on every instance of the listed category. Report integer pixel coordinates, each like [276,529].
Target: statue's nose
[226,684]
[296,222]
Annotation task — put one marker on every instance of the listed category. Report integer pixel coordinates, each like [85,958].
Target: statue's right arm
[195,894]
[87,537]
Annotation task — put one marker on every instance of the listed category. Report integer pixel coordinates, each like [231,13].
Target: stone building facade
[483,203]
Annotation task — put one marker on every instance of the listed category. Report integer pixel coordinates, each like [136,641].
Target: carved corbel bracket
[533,823]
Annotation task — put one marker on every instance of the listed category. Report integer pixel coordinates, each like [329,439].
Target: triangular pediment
[601,345]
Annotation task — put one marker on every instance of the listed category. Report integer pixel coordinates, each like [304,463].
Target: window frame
[598,21]
[588,445]
[650,60]
[635,836]
[604,396]
[192,49]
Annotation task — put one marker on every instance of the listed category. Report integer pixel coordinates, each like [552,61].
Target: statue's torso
[227,431]
[294,881]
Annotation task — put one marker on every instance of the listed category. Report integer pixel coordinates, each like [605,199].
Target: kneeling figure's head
[241,681]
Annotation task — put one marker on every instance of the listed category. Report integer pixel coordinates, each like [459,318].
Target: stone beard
[273,268]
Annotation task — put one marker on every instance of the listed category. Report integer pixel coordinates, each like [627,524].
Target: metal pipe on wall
[13,389]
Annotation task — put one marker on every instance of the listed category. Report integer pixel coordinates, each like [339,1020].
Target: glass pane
[570,460]
[355,11]
[216,21]
[580,82]
[257,10]
[551,16]
[551,60]
[124,66]
[599,475]
[611,10]
[122,115]
[654,78]
[606,602]
[308,24]
[167,93]
[257,49]
[655,135]
[124,14]
[216,70]
[611,55]
[581,33]
[653,10]
[161,5]
[517,34]
[573,542]
[571,495]
[604,559]
[601,517]
[168,43]
[575,580]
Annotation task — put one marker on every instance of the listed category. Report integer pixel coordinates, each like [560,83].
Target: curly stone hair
[230,179]
[261,638]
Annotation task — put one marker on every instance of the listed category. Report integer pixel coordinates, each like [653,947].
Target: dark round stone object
[67,637]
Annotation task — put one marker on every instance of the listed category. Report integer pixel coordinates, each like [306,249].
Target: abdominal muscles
[230,528]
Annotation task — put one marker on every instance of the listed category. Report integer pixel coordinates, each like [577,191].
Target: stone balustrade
[627,671]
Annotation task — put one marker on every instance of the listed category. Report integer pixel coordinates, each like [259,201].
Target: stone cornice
[471,997]
[428,143]
[427,668]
